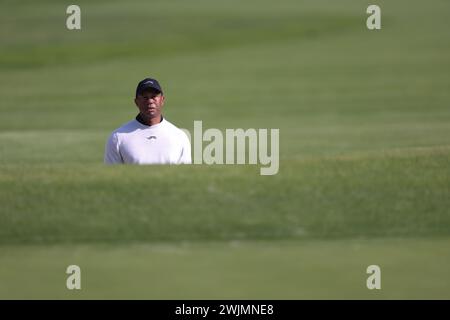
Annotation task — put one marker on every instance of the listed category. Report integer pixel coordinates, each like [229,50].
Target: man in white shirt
[150,138]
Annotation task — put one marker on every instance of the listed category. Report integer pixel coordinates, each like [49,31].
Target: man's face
[150,103]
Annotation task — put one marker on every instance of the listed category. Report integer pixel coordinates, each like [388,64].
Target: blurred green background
[364,176]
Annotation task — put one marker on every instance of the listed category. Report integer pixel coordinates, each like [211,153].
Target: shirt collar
[141,121]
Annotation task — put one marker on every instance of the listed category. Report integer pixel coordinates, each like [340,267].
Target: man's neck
[149,121]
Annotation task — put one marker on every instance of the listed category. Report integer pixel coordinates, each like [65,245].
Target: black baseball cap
[148,83]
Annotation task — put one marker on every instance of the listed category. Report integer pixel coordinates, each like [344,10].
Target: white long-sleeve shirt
[137,143]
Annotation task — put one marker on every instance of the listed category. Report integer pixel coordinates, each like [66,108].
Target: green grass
[364,196]
[411,269]
[365,150]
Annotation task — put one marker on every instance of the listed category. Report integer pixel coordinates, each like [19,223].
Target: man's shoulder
[175,129]
[169,125]
[128,127]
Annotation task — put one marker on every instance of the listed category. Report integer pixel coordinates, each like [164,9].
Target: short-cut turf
[364,150]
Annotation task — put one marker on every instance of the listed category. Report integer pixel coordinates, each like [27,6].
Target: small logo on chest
[151,137]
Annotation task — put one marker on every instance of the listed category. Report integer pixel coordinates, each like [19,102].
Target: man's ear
[163,99]
[135,102]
